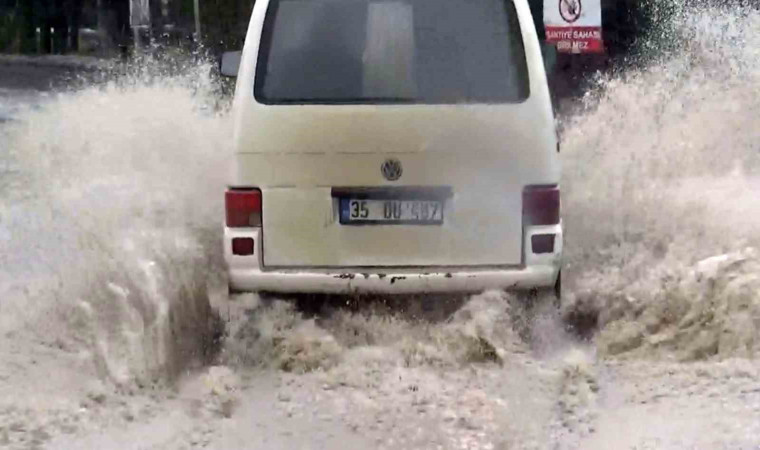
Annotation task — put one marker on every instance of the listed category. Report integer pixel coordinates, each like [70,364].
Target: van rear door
[437,90]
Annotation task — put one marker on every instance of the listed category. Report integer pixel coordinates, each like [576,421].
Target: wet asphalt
[22,76]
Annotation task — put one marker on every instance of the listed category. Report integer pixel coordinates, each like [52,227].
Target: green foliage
[9,31]
[654,28]
[224,23]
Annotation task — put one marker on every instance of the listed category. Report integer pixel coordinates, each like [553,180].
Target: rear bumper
[391,283]
[246,274]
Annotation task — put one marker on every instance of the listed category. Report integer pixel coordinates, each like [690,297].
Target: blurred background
[115,28]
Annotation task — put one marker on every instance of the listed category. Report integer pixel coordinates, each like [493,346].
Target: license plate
[375,211]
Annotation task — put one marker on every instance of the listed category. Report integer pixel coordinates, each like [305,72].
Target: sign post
[139,18]
[574,26]
[197,12]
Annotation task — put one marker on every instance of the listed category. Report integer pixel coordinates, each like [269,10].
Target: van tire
[557,290]
[545,295]
[231,291]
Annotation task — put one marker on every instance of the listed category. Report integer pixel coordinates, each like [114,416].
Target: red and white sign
[575,26]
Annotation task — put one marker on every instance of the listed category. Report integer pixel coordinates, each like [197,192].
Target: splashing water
[111,205]
[661,172]
[278,335]
[109,222]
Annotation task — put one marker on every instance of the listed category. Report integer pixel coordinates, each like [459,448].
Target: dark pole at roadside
[28,27]
[60,27]
[73,12]
[44,15]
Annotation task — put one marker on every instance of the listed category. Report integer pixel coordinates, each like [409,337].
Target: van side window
[391,51]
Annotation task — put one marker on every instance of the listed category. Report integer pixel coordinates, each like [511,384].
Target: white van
[392,146]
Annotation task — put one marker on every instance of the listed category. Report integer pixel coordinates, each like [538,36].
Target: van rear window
[391,51]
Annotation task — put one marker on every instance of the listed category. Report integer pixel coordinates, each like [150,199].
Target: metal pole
[136,36]
[196,6]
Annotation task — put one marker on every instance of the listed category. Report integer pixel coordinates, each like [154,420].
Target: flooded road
[116,330]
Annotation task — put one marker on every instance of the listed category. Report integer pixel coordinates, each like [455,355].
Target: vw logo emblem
[391,169]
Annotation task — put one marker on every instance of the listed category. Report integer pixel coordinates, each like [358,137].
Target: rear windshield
[391,51]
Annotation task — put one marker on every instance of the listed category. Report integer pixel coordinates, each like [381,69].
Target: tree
[113,21]
[29,20]
[223,23]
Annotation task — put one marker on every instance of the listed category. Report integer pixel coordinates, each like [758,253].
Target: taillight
[243,208]
[541,205]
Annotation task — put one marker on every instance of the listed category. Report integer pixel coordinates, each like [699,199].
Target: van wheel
[558,291]
[549,295]
[231,291]
[536,304]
